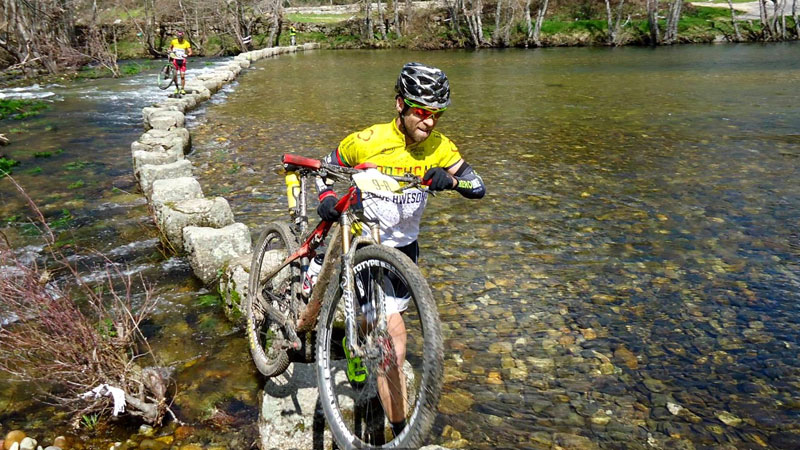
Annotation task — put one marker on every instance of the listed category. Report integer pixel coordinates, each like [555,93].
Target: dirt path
[749,10]
[354,7]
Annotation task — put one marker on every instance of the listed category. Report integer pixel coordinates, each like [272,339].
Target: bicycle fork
[373,291]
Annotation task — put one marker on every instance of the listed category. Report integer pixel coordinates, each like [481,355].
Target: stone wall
[204,229]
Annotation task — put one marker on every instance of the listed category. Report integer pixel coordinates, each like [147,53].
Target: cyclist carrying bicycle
[179,51]
[407,144]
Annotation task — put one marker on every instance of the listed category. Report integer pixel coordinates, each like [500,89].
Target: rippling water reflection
[630,280]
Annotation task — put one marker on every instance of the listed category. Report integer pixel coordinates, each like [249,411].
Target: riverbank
[431,25]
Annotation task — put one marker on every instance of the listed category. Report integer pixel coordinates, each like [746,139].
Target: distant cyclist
[407,144]
[292,34]
[179,50]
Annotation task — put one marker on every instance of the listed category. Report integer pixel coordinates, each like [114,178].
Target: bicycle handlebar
[293,162]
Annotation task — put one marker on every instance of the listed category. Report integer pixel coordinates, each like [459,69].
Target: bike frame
[342,244]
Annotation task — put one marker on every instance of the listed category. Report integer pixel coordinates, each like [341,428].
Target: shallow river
[630,280]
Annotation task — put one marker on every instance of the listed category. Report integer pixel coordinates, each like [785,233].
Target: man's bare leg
[392,385]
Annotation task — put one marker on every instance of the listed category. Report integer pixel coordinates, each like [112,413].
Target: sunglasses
[423,112]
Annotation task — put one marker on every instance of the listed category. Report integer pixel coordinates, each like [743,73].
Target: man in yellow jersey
[180,49]
[407,144]
[292,34]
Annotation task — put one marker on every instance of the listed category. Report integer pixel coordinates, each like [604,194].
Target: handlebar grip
[301,161]
[427,182]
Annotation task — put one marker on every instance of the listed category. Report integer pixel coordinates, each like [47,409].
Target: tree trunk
[409,11]
[767,32]
[275,28]
[652,21]
[498,13]
[382,20]
[367,33]
[539,20]
[671,34]
[794,17]
[528,22]
[736,31]
[397,18]
[611,31]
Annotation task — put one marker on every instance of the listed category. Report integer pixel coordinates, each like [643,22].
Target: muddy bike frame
[341,248]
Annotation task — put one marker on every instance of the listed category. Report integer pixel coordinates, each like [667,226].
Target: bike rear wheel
[166,76]
[266,337]
[355,411]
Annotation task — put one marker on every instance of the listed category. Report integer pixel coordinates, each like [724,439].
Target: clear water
[637,251]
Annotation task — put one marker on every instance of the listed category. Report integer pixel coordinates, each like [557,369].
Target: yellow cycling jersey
[180,48]
[385,146]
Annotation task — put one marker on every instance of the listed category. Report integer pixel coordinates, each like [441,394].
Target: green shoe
[177,91]
[356,371]
[183,92]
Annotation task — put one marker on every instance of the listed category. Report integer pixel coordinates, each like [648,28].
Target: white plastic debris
[105,390]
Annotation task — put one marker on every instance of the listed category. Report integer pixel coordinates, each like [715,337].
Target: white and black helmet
[424,84]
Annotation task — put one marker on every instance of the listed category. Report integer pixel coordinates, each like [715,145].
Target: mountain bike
[358,370]
[167,75]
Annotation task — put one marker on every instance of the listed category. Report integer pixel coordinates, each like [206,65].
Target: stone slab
[211,249]
[149,173]
[174,190]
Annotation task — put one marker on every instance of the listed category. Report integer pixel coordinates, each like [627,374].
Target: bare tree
[652,21]
[537,30]
[614,20]
[736,31]
[97,47]
[397,27]
[795,19]
[473,14]
[276,13]
[366,32]
[499,36]
[766,25]
[38,34]
[671,33]
[783,16]
[381,20]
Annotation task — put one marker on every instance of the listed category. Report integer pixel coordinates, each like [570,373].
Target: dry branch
[65,336]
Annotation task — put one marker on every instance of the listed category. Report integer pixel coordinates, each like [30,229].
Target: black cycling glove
[327,209]
[439,179]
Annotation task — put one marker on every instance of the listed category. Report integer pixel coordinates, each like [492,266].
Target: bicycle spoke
[392,351]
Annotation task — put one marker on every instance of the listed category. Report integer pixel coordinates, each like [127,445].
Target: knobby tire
[166,76]
[353,411]
[264,335]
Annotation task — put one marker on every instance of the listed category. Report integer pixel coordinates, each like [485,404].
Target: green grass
[130,49]
[76,185]
[64,221]
[21,109]
[129,69]
[34,170]
[318,18]
[208,300]
[6,165]
[76,165]
[558,26]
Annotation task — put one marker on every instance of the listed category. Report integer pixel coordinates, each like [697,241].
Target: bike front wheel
[266,337]
[166,76]
[399,376]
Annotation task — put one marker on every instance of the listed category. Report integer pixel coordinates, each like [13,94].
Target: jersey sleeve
[449,153]
[349,151]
